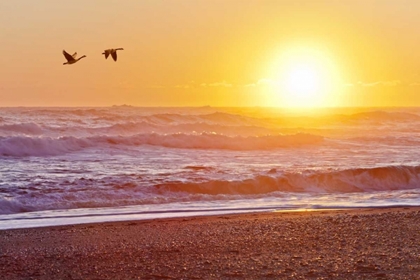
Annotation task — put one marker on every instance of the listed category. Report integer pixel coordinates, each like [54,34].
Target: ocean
[82,165]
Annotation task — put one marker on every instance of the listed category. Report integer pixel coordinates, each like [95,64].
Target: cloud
[217,84]
[190,84]
[262,82]
[183,86]
[391,83]
[265,82]
[193,84]
[155,86]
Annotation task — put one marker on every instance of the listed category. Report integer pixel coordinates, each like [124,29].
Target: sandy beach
[339,244]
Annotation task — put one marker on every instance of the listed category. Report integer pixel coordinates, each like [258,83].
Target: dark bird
[71,59]
[112,52]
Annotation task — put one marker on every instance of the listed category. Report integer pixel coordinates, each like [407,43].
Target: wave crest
[39,146]
[351,180]
[130,190]
[24,128]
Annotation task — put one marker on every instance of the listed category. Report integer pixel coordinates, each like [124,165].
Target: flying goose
[112,52]
[71,59]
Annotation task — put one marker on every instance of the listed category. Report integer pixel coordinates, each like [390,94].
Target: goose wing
[68,56]
[114,55]
[74,55]
[106,53]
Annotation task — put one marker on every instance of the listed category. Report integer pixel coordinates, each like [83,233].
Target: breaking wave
[380,116]
[25,128]
[130,190]
[351,180]
[44,146]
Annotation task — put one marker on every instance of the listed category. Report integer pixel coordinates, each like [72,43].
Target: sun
[305,78]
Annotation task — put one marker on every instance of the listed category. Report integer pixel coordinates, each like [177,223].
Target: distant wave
[83,122]
[44,146]
[382,116]
[389,140]
[131,128]
[41,146]
[24,128]
[139,115]
[130,190]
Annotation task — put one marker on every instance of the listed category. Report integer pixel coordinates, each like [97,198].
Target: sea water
[81,165]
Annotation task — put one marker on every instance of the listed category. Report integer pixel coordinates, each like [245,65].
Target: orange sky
[206,52]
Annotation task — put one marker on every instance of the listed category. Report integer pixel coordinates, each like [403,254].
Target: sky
[211,53]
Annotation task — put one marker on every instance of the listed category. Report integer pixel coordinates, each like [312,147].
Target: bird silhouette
[112,52]
[71,59]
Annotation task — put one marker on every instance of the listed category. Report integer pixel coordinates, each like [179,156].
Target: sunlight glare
[305,78]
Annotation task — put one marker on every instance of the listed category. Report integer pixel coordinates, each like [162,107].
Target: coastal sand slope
[350,244]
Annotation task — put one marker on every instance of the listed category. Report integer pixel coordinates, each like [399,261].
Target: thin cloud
[262,82]
[220,84]
[155,86]
[391,83]
[183,86]
[188,85]
[217,84]
[193,84]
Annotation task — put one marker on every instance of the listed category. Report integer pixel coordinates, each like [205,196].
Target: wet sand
[346,244]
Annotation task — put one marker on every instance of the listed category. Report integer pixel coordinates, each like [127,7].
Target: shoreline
[364,243]
[39,221]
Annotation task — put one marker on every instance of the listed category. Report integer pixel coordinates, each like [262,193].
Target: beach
[371,243]
[252,139]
